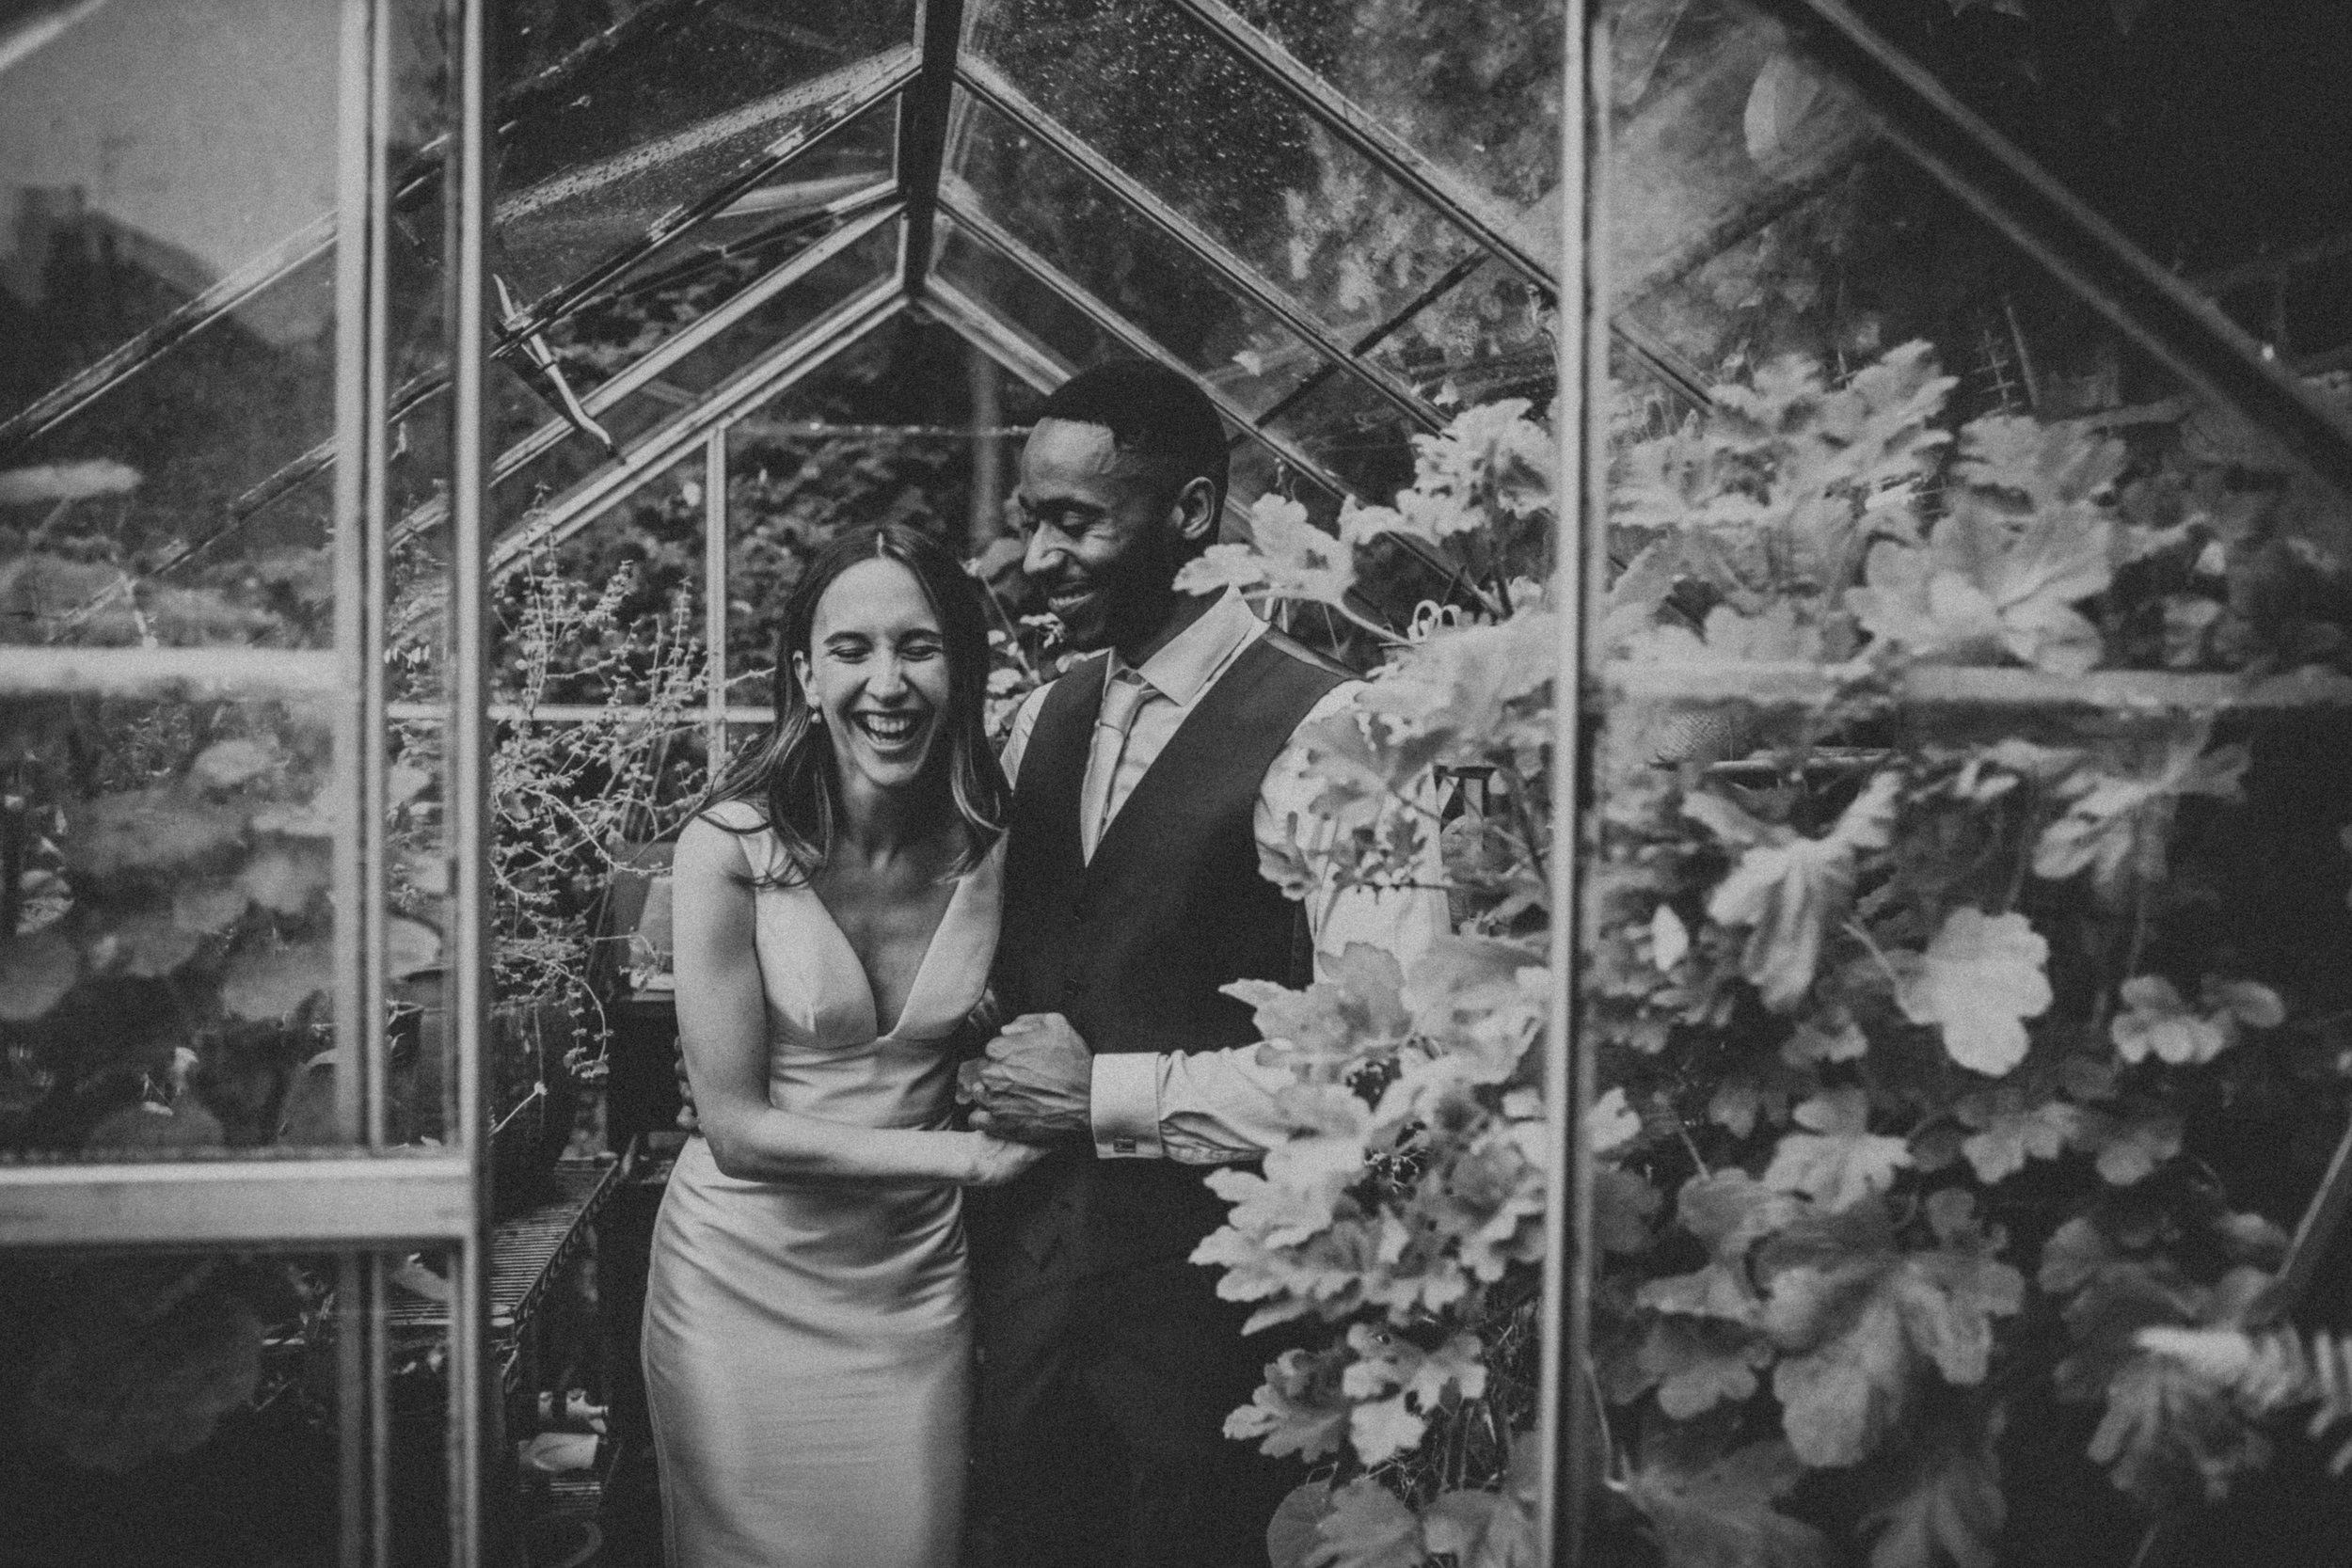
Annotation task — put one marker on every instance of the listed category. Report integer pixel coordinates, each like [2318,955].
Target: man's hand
[1033,1083]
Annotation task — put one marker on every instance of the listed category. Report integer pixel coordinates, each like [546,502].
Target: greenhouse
[1741,960]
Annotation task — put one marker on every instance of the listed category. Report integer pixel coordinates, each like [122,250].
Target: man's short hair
[1154,413]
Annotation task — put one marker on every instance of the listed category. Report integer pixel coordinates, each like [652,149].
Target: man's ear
[1194,511]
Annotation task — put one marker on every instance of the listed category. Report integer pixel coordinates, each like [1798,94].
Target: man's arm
[1210,1106]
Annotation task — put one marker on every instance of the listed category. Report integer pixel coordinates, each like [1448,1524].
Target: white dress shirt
[1213,1106]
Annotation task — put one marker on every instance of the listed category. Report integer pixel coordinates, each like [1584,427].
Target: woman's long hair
[793,774]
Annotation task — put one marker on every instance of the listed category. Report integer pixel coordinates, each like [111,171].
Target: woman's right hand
[998,1161]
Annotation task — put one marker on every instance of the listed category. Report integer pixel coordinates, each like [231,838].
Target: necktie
[1120,700]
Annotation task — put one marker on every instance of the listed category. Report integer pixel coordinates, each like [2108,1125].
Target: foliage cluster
[1942,1053]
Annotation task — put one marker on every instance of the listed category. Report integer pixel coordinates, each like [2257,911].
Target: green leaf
[2129,1144]
[286,873]
[1981,588]
[1981,978]
[2011,1128]
[1860,1321]
[226,763]
[1839,1162]
[1698,1365]
[1327,1032]
[1483,1530]
[1948,1515]
[2121,801]
[1720,1514]
[267,983]
[2170,1437]
[1287,556]
[146,830]
[1298,1408]
[35,971]
[1788,889]
[145,1368]
[1367,1528]
[2155,1021]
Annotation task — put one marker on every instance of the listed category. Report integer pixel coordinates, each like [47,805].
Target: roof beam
[992,89]
[1074,295]
[645,371]
[2042,218]
[846,93]
[798,354]
[923,133]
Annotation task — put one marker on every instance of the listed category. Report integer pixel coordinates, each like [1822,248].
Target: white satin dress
[807,1346]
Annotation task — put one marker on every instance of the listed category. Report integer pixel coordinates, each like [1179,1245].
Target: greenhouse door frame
[377,1201]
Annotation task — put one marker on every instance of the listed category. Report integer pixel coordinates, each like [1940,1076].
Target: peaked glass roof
[1342,220]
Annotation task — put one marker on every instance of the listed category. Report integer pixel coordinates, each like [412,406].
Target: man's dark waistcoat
[1134,946]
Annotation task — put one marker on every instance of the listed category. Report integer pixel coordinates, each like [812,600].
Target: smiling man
[1150,782]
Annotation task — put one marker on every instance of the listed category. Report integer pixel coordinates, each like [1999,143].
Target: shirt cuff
[1123,1107]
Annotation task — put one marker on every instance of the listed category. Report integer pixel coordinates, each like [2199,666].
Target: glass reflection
[1157,96]
[675,107]
[185,1409]
[164,982]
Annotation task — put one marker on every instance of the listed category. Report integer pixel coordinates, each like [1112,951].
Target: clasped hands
[1032,1083]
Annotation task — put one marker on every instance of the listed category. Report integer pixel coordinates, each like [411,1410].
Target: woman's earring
[815,714]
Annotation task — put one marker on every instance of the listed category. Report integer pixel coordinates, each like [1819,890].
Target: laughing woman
[807,1338]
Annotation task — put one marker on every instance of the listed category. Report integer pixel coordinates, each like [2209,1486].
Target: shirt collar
[1195,656]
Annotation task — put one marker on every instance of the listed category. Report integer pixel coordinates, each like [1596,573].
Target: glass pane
[167,966]
[655,125]
[1018,301]
[1921,472]
[169,1409]
[1154,93]
[1085,231]
[779,319]
[149,162]
[151,152]
[1356,434]
[1475,89]
[612,615]
[710,263]
[883,432]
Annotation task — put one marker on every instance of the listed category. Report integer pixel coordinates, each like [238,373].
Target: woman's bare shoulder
[718,841]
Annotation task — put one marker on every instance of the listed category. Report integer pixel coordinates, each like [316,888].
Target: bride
[807,1340]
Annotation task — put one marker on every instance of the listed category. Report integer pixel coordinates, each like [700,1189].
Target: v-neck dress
[807,1345]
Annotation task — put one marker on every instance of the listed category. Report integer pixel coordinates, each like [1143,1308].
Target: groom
[1150,781]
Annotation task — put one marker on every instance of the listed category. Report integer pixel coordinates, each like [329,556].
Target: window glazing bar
[852,90]
[1993,177]
[922,147]
[365,1202]
[191,675]
[643,371]
[1071,293]
[835,330]
[86,386]
[862,84]
[2119,692]
[715,541]
[466,784]
[1487,220]
[1038,367]
[991,87]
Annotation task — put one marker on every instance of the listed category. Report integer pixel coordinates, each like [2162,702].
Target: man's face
[1103,545]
